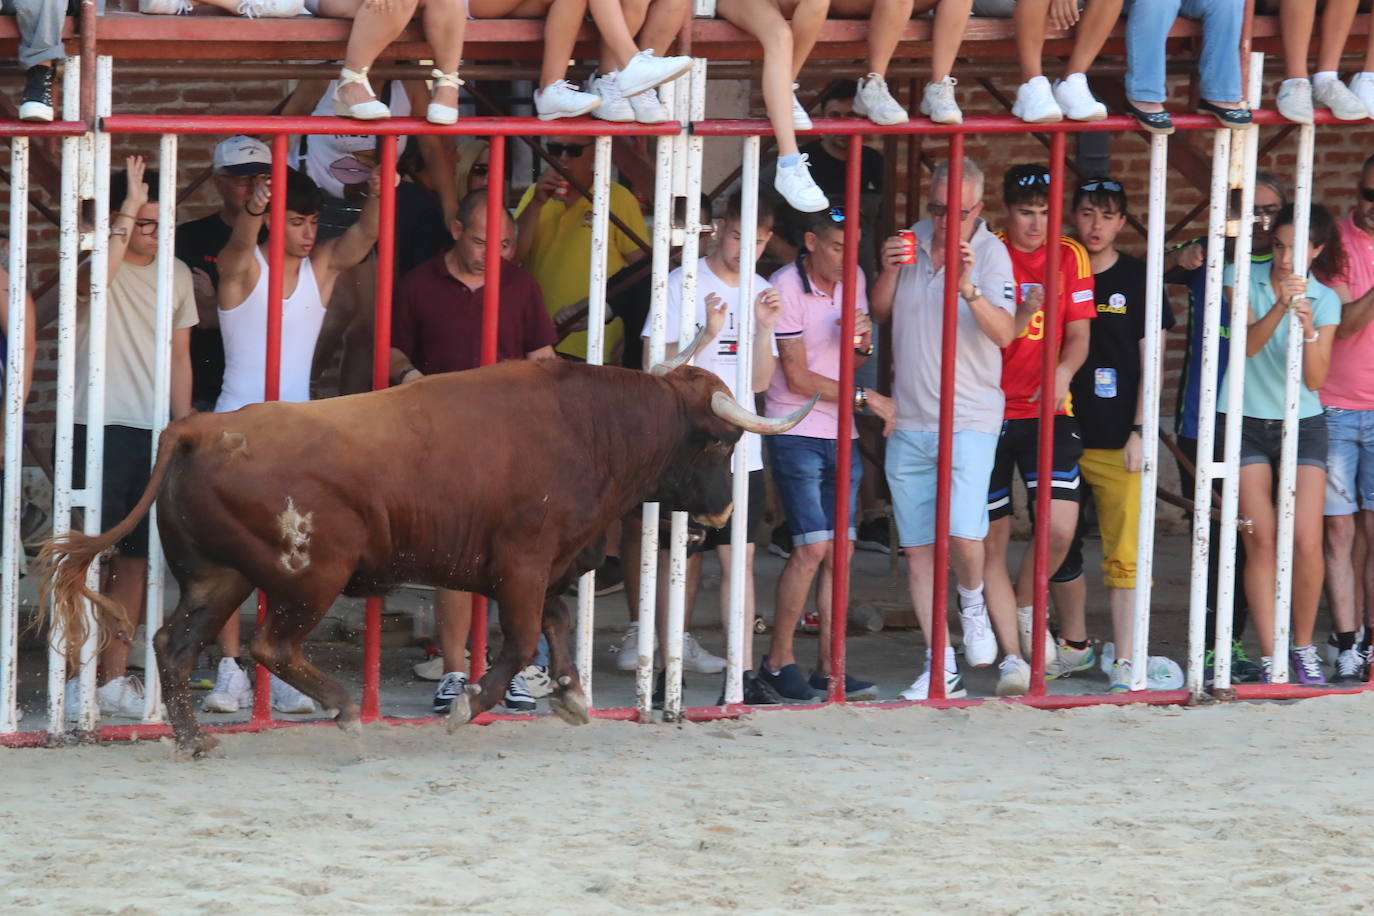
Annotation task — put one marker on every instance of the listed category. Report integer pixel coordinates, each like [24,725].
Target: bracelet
[119,230]
[251,213]
[1137,429]
[1313,339]
[860,399]
[406,373]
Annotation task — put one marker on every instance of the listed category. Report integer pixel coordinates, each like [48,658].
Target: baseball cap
[243,156]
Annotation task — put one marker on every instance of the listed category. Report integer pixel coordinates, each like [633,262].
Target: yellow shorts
[1116,494]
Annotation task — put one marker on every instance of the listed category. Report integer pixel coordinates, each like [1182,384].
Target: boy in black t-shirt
[1107,401]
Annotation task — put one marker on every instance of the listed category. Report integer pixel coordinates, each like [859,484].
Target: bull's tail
[64,562]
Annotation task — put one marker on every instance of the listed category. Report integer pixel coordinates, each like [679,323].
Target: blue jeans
[1147,27]
[1349,461]
[804,472]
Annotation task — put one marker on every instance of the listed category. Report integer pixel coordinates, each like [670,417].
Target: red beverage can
[909,239]
[561,193]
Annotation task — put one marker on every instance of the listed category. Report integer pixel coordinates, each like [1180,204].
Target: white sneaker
[164,7]
[271,9]
[1015,677]
[920,688]
[1035,103]
[561,99]
[1024,620]
[233,691]
[980,644]
[612,106]
[1362,84]
[697,659]
[937,102]
[138,651]
[800,119]
[1076,100]
[537,680]
[1120,678]
[647,108]
[286,698]
[797,187]
[431,669]
[645,72]
[627,656]
[1294,101]
[122,696]
[874,101]
[1343,103]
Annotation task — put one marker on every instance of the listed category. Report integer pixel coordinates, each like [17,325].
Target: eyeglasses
[1273,209]
[1032,179]
[940,211]
[146,226]
[479,169]
[572,150]
[1101,184]
[1367,194]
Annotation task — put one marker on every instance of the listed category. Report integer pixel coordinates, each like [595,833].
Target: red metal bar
[89,25]
[1044,465]
[1001,124]
[466,127]
[491,311]
[944,473]
[41,129]
[844,446]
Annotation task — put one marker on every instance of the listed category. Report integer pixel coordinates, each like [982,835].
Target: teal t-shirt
[1264,372]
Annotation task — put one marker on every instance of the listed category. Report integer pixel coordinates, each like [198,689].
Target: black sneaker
[451,686]
[1244,670]
[788,683]
[854,689]
[518,696]
[756,692]
[875,535]
[610,578]
[781,544]
[1349,666]
[36,103]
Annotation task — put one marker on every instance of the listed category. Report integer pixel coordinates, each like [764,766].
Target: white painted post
[1235,394]
[1207,408]
[677,615]
[14,434]
[1150,382]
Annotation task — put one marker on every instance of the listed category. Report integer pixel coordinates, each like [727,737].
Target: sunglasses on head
[1033,179]
[479,168]
[1101,184]
[1367,194]
[940,211]
[572,150]
[836,214]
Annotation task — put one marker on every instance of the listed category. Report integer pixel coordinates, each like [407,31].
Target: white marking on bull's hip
[296,530]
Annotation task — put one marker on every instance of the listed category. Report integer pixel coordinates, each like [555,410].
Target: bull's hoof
[570,705]
[353,728]
[198,747]
[461,712]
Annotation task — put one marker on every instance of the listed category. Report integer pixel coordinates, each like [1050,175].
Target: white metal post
[1288,454]
[677,615]
[1207,408]
[17,352]
[596,337]
[1150,382]
[75,165]
[1235,394]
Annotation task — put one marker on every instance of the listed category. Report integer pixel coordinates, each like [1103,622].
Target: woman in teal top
[1275,292]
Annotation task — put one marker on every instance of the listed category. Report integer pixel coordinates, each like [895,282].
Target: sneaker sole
[654,84]
[1012,690]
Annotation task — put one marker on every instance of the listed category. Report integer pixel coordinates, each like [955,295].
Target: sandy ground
[990,810]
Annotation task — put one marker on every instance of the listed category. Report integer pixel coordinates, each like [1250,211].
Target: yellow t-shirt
[560,255]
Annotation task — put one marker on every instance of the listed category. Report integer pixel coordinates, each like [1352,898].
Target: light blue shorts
[1349,461]
[911,475]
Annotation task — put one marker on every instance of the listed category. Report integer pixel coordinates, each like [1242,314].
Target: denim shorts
[912,458]
[804,472]
[1349,461]
[1262,440]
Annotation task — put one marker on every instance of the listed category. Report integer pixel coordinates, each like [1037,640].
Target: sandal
[1156,122]
[1234,118]
[371,110]
[443,114]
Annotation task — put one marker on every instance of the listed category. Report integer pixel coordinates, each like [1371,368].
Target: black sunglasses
[939,211]
[1101,184]
[1033,179]
[1367,194]
[573,150]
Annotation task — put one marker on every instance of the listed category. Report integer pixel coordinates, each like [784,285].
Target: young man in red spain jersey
[1025,194]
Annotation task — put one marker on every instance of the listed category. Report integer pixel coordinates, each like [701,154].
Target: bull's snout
[718,520]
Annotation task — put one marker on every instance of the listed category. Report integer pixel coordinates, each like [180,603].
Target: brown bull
[497,481]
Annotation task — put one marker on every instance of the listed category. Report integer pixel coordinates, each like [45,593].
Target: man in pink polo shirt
[1348,397]
[803,461]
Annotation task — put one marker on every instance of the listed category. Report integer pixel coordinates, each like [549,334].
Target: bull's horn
[729,410]
[684,356]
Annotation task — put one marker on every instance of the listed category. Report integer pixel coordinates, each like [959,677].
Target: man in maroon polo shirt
[436,326]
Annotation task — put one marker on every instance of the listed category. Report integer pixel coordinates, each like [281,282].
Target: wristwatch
[860,398]
[976,293]
[1137,428]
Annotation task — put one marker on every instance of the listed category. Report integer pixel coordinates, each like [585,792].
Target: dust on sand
[996,809]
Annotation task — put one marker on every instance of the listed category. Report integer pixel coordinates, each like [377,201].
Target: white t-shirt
[722,356]
[130,329]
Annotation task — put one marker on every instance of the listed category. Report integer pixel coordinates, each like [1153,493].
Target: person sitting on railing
[911,291]
[377,23]
[785,49]
[40,48]
[626,26]
[1297,93]
[1276,292]
[1147,32]
[886,19]
[1036,101]
[130,412]
[249,9]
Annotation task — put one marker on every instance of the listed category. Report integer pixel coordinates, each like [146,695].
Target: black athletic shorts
[128,466]
[1018,450]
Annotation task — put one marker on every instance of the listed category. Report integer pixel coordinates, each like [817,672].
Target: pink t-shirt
[1350,382]
[812,317]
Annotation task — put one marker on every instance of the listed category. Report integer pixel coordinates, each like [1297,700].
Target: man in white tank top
[309,272]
